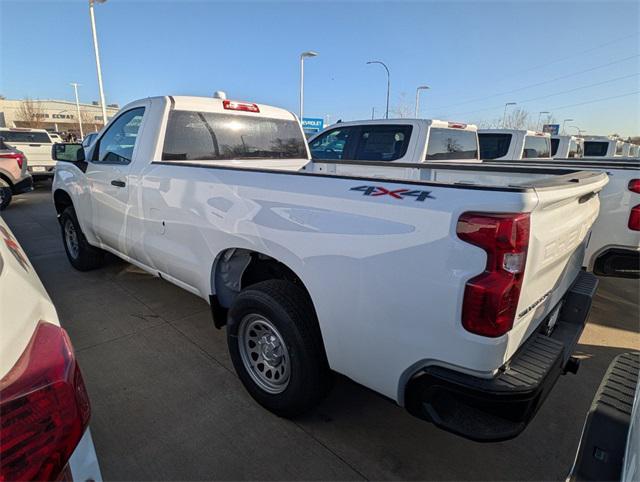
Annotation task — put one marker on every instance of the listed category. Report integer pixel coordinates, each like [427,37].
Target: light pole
[303,56]
[386,115]
[564,122]
[422,87]
[504,116]
[580,131]
[540,117]
[75,89]
[97,52]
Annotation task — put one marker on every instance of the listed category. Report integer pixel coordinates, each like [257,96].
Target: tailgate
[560,227]
[37,154]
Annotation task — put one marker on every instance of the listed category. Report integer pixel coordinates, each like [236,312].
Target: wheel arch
[6,179]
[61,200]
[237,268]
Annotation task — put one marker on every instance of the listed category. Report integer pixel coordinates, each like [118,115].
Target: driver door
[108,175]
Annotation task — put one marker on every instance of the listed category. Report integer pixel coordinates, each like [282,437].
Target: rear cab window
[377,142]
[193,136]
[26,137]
[596,148]
[619,148]
[450,144]
[494,146]
[536,147]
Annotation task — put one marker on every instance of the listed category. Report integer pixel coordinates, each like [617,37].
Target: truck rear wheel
[81,254]
[276,347]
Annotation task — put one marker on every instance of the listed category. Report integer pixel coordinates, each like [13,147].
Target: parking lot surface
[167,404]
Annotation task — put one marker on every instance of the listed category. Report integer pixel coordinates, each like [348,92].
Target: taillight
[244,106]
[634,185]
[634,218]
[491,298]
[45,408]
[19,157]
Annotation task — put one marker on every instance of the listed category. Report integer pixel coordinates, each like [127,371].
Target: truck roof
[525,132]
[600,138]
[216,105]
[425,122]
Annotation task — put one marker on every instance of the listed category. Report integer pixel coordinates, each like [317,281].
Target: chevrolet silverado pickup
[36,145]
[455,291]
[614,245]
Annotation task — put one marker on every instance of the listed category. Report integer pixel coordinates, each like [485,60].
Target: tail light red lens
[634,218]
[244,106]
[491,298]
[634,185]
[19,157]
[45,408]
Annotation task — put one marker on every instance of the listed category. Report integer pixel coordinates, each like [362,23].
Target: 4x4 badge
[396,193]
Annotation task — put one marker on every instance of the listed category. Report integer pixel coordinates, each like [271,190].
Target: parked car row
[227,200]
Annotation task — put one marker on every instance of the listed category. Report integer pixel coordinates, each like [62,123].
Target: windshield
[209,136]
[26,137]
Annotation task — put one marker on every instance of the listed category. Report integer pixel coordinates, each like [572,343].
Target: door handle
[118,183]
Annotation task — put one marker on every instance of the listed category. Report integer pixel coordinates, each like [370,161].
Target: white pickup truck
[567,147]
[514,144]
[614,245]
[597,147]
[456,292]
[35,144]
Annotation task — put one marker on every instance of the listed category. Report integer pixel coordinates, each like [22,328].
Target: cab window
[449,144]
[493,145]
[117,144]
[536,147]
[555,143]
[332,145]
[383,142]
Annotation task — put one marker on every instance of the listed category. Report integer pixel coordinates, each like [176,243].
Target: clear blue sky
[475,56]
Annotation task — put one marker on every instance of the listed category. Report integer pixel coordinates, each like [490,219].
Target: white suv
[35,144]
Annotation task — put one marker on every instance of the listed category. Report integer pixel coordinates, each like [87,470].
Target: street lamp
[386,115]
[95,48]
[422,87]
[540,116]
[504,116]
[564,122]
[75,89]
[303,56]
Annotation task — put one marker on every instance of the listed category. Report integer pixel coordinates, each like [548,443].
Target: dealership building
[53,115]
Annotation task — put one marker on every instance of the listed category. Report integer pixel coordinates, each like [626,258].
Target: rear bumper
[25,185]
[618,262]
[38,170]
[604,438]
[499,408]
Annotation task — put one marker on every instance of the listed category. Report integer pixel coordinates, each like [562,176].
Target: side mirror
[67,152]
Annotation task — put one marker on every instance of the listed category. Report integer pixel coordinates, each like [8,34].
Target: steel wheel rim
[71,239]
[264,353]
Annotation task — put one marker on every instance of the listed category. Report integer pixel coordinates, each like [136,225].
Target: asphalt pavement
[167,405]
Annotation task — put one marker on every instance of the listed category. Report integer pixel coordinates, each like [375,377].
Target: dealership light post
[504,116]
[564,123]
[540,117]
[75,89]
[95,48]
[422,87]
[304,55]
[386,115]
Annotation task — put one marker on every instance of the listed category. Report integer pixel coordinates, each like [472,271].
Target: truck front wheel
[275,344]
[81,254]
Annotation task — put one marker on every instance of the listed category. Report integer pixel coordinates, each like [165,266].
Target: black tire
[290,310]
[85,257]
[5,196]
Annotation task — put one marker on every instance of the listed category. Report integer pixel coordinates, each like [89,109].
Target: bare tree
[30,112]
[403,107]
